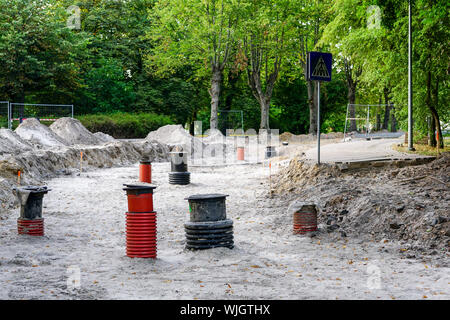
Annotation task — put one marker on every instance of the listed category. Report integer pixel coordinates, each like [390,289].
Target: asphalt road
[359,150]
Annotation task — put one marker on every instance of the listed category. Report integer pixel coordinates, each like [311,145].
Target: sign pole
[318,122]
[319,68]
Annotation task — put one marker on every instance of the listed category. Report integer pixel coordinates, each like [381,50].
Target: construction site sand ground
[85,232]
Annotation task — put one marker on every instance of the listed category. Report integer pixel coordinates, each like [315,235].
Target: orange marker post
[18,177]
[270,178]
[81,161]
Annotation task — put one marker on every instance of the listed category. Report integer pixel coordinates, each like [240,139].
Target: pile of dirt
[12,143]
[303,138]
[176,136]
[408,204]
[285,136]
[38,134]
[72,131]
[300,173]
[332,135]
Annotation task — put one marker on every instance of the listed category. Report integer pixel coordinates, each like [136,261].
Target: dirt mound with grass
[38,134]
[408,204]
[72,131]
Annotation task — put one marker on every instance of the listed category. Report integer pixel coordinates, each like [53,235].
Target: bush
[3,122]
[122,125]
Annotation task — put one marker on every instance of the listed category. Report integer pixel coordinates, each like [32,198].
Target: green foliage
[125,125]
[196,33]
[3,122]
[156,57]
[107,89]
[38,53]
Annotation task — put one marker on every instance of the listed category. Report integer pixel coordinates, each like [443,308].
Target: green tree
[196,33]
[40,56]
[107,89]
[266,33]
[344,35]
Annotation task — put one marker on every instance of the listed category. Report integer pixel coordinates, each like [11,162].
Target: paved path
[360,150]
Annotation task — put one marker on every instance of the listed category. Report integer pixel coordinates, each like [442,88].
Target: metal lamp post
[410,101]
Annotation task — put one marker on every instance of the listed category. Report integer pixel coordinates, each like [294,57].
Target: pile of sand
[409,204]
[40,165]
[105,138]
[214,136]
[72,131]
[176,136]
[12,143]
[35,132]
[41,153]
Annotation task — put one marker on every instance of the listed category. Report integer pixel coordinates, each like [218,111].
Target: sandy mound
[74,132]
[104,137]
[35,132]
[12,143]
[175,136]
[214,136]
[40,165]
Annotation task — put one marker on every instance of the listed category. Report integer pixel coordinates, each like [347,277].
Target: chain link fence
[43,112]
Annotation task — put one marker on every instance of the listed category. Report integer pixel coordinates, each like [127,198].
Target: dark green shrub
[122,125]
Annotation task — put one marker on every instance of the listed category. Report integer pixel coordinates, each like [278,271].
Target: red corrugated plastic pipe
[141,235]
[305,219]
[145,171]
[140,222]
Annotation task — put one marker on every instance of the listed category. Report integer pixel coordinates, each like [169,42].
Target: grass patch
[423,149]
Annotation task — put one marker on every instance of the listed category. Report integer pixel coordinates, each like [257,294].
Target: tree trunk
[432,107]
[393,123]
[351,96]
[192,124]
[436,103]
[378,125]
[230,94]
[431,132]
[262,96]
[265,106]
[216,82]
[438,127]
[387,112]
[352,74]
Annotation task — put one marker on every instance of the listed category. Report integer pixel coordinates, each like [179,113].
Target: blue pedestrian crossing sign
[318,66]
